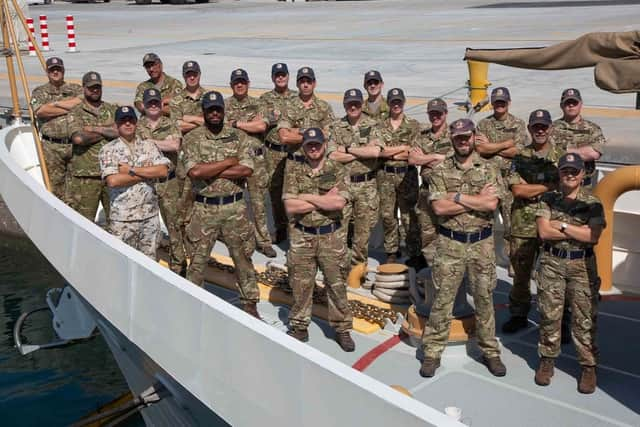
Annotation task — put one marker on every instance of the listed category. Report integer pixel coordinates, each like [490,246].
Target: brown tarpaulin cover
[616,57]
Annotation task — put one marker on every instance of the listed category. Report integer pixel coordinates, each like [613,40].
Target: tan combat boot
[495,366]
[345,341]
[429,366]
[587,384]
[544,371]
[252,309]
[299,334]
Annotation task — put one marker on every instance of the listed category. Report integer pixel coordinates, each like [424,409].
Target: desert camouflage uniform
[229,221]
[134,209]
[168,190]
[453,258]
[499,131]
[296,115]
[533,168]
[364,203]
[576,279]
[273,104]
[427,219]
[382,112]
[170,87]
[258,183]
[399,189]
[576,135]
[84,189]
[309,251]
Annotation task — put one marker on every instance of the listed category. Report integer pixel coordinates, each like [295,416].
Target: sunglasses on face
[569,171]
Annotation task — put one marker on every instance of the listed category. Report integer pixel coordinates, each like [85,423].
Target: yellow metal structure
[478,83]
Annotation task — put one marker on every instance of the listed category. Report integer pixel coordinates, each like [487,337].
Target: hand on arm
[587,153]
[213,169]
[290,136]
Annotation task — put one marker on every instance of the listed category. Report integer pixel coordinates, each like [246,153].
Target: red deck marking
[620,298]
[377,351]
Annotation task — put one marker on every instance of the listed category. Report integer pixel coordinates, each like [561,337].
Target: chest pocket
[476,179]
[455,183]
[326,182]
[315,117]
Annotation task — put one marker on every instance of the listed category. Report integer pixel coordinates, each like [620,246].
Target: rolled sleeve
[289,189]
[543,210]
[598,139]
[596,216]
[109,162]
[437,187]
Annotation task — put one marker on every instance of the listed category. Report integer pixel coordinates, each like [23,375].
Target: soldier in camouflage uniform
[164,133]
[376,106]
[570,222]
[51,103]
[129,165]
[245,113]
[577,135]
[533,173]
[91,126]
[432,145]
[315,192]
[464,192]
[352,145]
[158,79]
[501,137]
[398,181]
[217,158]
[273,104]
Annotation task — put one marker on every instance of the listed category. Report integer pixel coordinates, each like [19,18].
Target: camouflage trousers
[169,193]
[506,203]
[258,186]
[84,194]
[362,211]
[399,191]
[523,254]
[276,161]
[230,224]
[577,281]
[57,157]
[452,260]
[428,222]
[307,253]
[143,235]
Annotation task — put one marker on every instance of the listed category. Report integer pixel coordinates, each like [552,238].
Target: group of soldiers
[190,154]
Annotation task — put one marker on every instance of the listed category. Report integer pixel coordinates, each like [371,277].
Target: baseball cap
[462,127]
[395,93]
[149,58]
[500,94]
[372,75]
[239,74]
[190,66]
[91,79]
[571,160]
[54,62]
[306,72]
[570,93]
[437,104]
[212,99]
[540,117]
[125,112]
[352,95]
[151,94]
[279,67]
[312,135]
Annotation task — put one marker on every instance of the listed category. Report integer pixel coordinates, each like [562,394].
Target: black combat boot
[267,250]
[417,262]
[514,324]
[429,366]
[544,371]
[281,236]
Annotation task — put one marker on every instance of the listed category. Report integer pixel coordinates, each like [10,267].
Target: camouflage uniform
[381,113]
[84,189]
[427,219]
[170,87]
[533,168]
[453,258]
[168,190]
[497,131]
[398,189]
[273,104]
[309,250]
[296,115]
[54,132]
[364,202]
[258,183]
[576,279]
[228,218]
[134,209]
[576,135]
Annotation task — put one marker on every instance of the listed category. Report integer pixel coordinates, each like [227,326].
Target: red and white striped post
[71,34]
[32,48]
[44,32]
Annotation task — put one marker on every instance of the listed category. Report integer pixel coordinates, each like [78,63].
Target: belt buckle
[562,253]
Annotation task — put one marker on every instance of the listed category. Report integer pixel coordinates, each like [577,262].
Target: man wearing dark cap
[464,193]
[432,145]
[398,181]
[218,160]
[375,106]
[579,135]
[500,137]
[164,133]
[130,165]
[570,222]
[91,126]
[352,145]
[315,193]
[245,113]
[273,104]
[158,79]
[51,103]
[533,173]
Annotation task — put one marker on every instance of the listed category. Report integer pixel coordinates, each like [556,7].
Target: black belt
[323,229]
[296,157]
[563,253]
[56,140]
[169,177]
[220,200]
[465,237]
[398,169]
[276,147]
[363,177]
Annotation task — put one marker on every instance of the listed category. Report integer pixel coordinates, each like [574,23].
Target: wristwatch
[563,227]
[346,149]
[132,171]
[456,198]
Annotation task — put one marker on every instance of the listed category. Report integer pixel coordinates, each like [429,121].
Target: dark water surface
[54,387]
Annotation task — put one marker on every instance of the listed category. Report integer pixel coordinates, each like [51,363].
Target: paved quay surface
[418,45]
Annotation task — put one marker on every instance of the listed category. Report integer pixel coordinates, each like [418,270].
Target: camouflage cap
[151,94]
[542,117]
[353,95]
[570,93]
[190,66]
[571,160]
[279,67]
[91,79]
[312,135]
[306,72]
[125,112]
[150,58]
[372,75]
[500,94]
[212,99]
[462,127]
[437,104]
[239,74]
[395,94]
[54,62]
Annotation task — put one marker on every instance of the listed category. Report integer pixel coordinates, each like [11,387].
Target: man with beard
[158,79]
[218,160]
[464,193]
[376,106]
[51,103]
